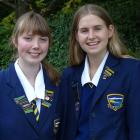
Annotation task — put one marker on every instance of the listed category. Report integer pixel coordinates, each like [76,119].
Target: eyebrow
[84,27]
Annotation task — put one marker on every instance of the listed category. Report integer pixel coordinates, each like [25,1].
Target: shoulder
[132,62]
[72,71]
[68,71]
[130,59]
[6,73]
[2,73]
[2,76]
[130,65]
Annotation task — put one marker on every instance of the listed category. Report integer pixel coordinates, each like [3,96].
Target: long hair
[36,24]
[115,45]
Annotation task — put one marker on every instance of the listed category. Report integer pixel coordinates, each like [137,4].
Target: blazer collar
[17,92]
[110,62]
[13,82]
[17,95]
[110,69]
[50,91]
[78,72]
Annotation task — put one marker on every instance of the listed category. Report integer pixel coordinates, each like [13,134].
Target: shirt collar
[32,93]
[85,78]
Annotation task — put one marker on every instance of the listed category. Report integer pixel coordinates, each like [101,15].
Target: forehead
[31,26]
[90,20]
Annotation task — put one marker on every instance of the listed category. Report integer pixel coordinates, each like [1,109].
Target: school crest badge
[108,72]
[48,98]
[23,102]
[27,107]
[115,101]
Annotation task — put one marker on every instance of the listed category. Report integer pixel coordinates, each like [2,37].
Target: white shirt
[85,78]
[31,92]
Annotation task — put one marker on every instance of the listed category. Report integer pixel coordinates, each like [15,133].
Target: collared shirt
[32,92]
[85,78]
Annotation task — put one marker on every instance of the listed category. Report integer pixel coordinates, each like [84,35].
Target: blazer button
[93,114]
[93,138]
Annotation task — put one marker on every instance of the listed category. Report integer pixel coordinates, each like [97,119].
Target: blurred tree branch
[5,2]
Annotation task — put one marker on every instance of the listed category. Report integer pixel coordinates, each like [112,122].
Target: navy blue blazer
[17,121]
[115,108]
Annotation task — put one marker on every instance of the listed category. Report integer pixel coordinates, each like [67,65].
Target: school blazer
[17,123]
[115,109]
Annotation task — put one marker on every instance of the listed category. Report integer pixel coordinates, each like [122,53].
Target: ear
[111,30]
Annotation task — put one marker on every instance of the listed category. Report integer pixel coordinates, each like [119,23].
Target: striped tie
[35,109]
[90,85]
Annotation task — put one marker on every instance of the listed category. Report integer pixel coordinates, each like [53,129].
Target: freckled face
[32,49]
[93,35]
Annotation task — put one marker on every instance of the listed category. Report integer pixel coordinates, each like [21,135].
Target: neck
[94,62]
[30,71]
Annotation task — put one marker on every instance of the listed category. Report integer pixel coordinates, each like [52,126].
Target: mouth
[34,54]
[92,43]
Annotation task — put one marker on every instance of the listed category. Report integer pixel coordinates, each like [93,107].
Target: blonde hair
[36,24]
[115,46]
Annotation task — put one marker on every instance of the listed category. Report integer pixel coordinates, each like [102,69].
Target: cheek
[45,48]
[105,36]
[80,38]
[22,44]
[21,50]
[22,47]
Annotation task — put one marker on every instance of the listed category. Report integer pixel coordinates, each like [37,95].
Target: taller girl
[103,81]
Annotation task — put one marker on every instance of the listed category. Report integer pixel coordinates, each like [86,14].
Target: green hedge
[122,12]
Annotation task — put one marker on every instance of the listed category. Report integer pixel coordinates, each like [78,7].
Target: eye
[83,30]
[28,38]
[97,28]
[44,39]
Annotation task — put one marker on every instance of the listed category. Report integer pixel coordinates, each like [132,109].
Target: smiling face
[31,36]
[32,49]
[93,35]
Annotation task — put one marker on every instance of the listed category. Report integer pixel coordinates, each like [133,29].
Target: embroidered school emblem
[27,107]
[23,102]
[115,101]
[108,72]
[48,98]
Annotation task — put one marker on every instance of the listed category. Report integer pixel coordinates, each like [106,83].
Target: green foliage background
[123,14]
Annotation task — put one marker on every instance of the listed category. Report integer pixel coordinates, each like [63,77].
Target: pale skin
[93,36]
[32,49]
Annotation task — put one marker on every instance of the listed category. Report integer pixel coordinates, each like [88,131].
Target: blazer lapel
[18,96]
[107,75]
[47,104]
[76,88]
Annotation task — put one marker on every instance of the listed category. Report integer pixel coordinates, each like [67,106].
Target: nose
[91,34]
[36,44]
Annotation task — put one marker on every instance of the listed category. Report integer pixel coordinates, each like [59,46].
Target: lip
[34,53]
[93,44]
